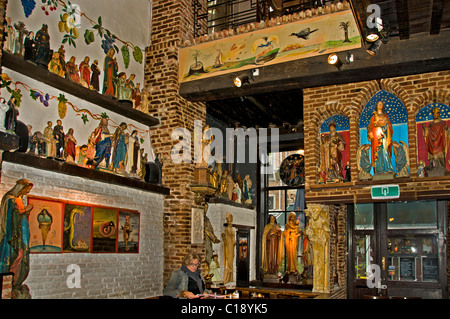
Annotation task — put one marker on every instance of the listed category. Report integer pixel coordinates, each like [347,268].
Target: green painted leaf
[126,56]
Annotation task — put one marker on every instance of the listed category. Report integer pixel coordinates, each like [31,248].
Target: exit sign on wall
[385,191]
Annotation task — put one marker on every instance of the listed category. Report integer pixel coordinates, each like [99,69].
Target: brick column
[172,25]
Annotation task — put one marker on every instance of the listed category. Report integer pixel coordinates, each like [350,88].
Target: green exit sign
[385,191]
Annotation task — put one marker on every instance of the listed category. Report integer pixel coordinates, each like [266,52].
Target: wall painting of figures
[128,235]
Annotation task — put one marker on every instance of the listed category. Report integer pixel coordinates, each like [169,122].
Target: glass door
[398,249]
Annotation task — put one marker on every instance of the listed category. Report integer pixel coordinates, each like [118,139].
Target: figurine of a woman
[272,247]
[42,43]
[229,243]
[15,237]
[110,68]
[291,234]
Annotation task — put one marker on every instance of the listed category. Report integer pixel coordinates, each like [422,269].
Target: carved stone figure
[209,236]
[15,237]
[291,234]
[436,136]
[272,247]
[229,243]
[318,233]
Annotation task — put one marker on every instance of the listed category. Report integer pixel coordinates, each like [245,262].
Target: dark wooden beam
[421,53]
[436,16]
[402,18]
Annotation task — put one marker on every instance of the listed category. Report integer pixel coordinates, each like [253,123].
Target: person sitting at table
[187,281]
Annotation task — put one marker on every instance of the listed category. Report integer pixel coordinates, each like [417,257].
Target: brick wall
[172,24]
[106,275]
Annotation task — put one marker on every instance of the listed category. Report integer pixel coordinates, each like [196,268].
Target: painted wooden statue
[229,243]
[291,234]
[15,237]
[436,136]
[272,247]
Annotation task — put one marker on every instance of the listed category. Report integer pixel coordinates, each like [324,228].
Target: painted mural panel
[384,151]
[334,163]
[45,222]
[77,228]
[128,236]
[432,125]
[306,38]
[104,230]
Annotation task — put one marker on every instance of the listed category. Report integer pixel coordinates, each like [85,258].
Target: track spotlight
[372,35]
[333,59]
[241,80]
[374,47]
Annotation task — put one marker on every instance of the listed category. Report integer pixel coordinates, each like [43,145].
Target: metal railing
[229,14]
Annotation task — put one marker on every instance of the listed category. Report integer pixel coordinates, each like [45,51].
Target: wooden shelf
[74,170]
[40,74]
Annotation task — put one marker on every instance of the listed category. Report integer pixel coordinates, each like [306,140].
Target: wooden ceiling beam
[436,16]
[402,18]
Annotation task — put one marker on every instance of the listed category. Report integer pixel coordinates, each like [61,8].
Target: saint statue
[229,243]
[436,136]
[363,160]
[333,145]
[291,234]
[379,133]
[15,237]
[318,233]
[272,247]
[210,237]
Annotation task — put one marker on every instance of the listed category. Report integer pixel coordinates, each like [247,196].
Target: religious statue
[72,70]
[120,141]
[379,133]
[214,267]
[15,237]
[272,247]
[436,136]
[210,237]
[224,183]
[50,143]
[95,75]
[85,72]
[3,109]
[318,233]
[401,153]
[55,66]
[58,135]
[42,43]
[363,161]
[110,69]
[229,243]
[230,186]
[29,47]
[333,145]
[206,139]
[247,189]
[124,88]
[11,115]
[133,158]
[70,146]
[102,142]
[216,175]
[291,234]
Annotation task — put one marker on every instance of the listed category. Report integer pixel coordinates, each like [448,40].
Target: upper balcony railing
[229,14]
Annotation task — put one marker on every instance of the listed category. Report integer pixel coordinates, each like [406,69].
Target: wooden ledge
[18,64]
[78,171]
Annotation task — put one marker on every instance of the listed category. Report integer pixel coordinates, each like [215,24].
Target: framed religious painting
[45,222]
[77,228]
[128,234]
[104,230]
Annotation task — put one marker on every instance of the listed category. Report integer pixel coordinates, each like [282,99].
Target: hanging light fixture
[241,80]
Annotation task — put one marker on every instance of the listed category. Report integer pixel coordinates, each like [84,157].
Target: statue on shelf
[379,133]
[110,68]
[206,139]
[216,175]
[272,247]
[318,233]
[401,153]
[70,146]
[137,97]
[55,66]
[133,148]
[15,237]
[72,71]
[436,136]
[159,163]
[224,183]
[229,243]
[237,193]
[120,141]
[95,75]
[210,238]
[3,109]
[58,135]
[11,115]
[247,189]
[230,186]
[333,144]
[85,72]
[124,88]
[291,234]
[29,47]
[10,43]
[42,42]
[214,267]
[102,142]
[50,142]
[363,160]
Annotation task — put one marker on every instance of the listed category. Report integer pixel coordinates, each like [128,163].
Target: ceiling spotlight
[241,80]
[374,47]
[333,59]
[373,34]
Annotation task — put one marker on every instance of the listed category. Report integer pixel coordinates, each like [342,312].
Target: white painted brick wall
[241,216]
[106,275]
